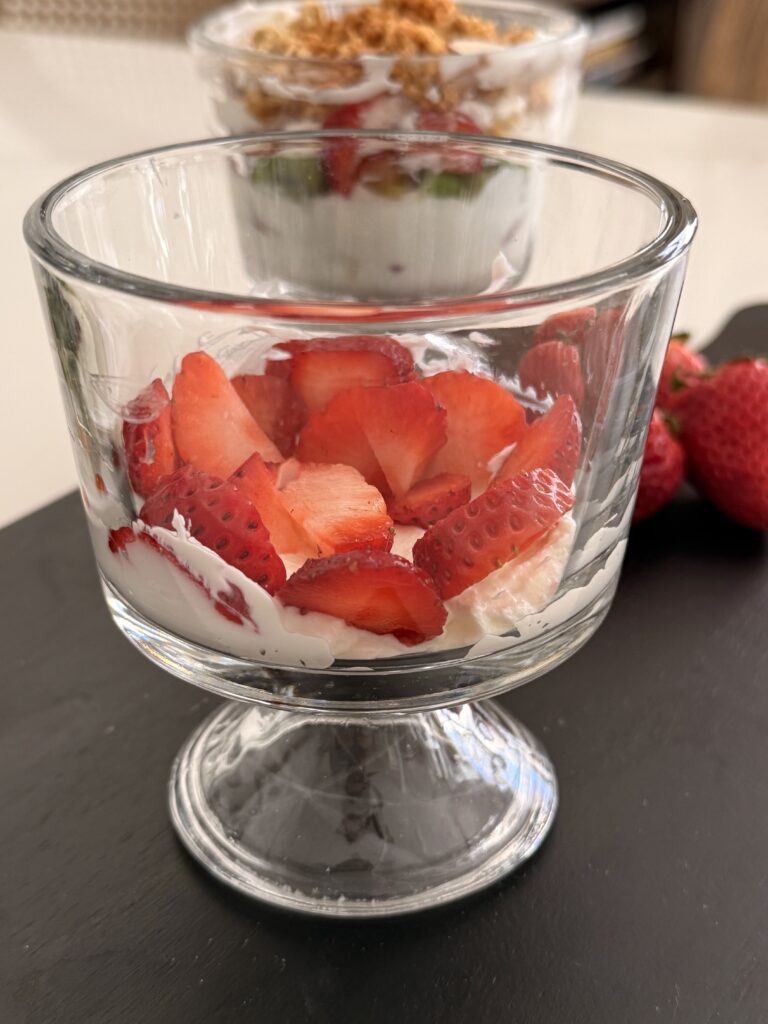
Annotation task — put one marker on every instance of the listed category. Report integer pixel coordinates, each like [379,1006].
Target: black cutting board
[648,902]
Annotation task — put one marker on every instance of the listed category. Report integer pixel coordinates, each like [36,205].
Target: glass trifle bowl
[358,518]
[491,67]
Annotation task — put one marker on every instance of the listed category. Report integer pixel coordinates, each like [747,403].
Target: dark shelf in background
[633,42]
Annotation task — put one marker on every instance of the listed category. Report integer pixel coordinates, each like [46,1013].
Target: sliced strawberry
[348,116]
[341,157]
[553,368]
[553,441]
[571,325]
[258,483]
[279,363]
[600,357]
[454,159]
[334,435]
[274,405]
[230,603]
[280,360]
[211,426]
[483,418]
[480,537]
[371,590]
[222,518]
[431,500]
[326,366]
[336,508]
[150,453]
[390,432]
[405,428]
[447,121]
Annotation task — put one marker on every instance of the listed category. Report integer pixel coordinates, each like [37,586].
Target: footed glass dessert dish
[359,461]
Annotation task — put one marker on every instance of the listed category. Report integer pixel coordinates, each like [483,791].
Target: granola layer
[392,28]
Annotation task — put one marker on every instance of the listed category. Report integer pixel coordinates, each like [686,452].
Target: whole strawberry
[662,471]
[680,372]
[724,430]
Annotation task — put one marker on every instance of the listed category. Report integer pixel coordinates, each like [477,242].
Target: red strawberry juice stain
[232,605]
[229,603]
[120,538]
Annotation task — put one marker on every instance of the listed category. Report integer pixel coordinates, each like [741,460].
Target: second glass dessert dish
[357,511]
[488,67]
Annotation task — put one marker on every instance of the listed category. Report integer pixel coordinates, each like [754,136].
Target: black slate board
[649,901]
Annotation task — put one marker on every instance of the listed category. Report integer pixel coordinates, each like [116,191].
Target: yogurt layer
[275,634]
[416,245]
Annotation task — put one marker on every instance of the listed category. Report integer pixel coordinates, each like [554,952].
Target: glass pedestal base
[361,817]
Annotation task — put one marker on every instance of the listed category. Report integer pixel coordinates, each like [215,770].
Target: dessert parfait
[311,499]
[353,516]
[416,65]
[499,69]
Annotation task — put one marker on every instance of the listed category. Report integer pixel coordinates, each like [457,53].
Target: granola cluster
[418,34]
[403,28]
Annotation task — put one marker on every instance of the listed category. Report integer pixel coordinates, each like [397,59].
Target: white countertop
[67,102]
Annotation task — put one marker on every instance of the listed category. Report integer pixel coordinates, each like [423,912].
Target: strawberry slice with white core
[258,482]
[211,426]
[150,453]
[483,418]
[553,441]
[336,508]
[221,518]
[274,405]
[388,434]
[431,500]
[323,367]
[490,531]
[372,590]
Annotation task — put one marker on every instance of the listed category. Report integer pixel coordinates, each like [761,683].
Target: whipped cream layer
[281,635]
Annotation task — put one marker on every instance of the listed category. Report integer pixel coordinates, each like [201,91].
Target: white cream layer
[281,635]
[413,245]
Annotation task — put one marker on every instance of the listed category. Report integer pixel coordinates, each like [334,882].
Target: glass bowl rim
[574,33]
[679,223]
